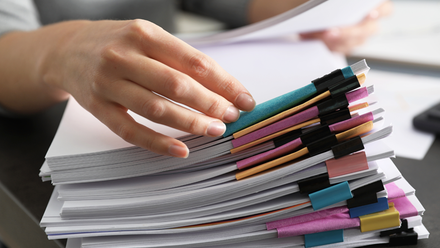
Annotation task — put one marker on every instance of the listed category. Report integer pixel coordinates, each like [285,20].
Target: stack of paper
[306,168]
[284,186]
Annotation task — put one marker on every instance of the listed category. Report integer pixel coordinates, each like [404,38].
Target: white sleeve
[18,15]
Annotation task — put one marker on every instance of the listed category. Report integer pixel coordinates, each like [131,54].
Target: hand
[344,39]
[111,67]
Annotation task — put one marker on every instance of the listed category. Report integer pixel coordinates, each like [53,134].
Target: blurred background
[405,59]
[410,35]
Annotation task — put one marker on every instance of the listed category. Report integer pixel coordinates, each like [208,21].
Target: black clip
[373,187]
[315,134]
[287,137]
[345,86]
[322,145]
[313,184]
[323,83]
[338,116]
[362,200]
[332,105]
[349,146]
[409,237]
[365,195]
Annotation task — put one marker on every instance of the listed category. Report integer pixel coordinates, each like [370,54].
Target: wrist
[53,59]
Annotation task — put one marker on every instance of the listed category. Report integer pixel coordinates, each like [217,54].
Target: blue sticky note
[380,205]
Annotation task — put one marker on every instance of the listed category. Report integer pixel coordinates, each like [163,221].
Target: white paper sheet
[334,13]
[410,35]
[80,132]
[403,96]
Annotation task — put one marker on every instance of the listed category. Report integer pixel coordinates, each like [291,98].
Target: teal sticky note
[323,238]
[331,195]
[347,72]
[269,108]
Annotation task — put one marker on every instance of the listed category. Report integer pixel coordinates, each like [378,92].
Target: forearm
[24,87]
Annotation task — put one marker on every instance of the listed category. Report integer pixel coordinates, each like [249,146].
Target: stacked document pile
[304,169]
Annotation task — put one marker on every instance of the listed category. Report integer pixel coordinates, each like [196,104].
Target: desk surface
[23,145]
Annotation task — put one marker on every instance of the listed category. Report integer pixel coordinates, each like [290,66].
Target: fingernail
[231,114]
[216,128]
[333,33]
[245,102]
[178,151]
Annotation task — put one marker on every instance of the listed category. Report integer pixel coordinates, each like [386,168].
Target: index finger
[169,50]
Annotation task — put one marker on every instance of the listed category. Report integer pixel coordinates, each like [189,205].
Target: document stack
[306,168]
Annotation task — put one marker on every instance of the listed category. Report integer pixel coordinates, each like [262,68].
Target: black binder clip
[349,146]
[409,237]
[323,83]
[332,105]
[315,134]
[365,195]
[313,184]
[402,235]
[345,86]
[362,200]
[322,145]
[338,116]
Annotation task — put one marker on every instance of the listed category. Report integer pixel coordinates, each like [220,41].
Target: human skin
[111,67]
[344,39]
[338,39]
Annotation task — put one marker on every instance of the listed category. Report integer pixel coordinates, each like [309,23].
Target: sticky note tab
[347,72]
[380,205]
[331,195]
[269,108]
[323,238]
[381,220]
[347,164]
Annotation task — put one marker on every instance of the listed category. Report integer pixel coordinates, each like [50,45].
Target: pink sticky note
[347,164]
[351,123]
[305,217]
[334,222]
[394,191]
[357,94]
[265,156]
[405,207]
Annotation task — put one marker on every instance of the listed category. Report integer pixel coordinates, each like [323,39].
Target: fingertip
[216,128]
[179,151]
[245,102]
[232,114]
